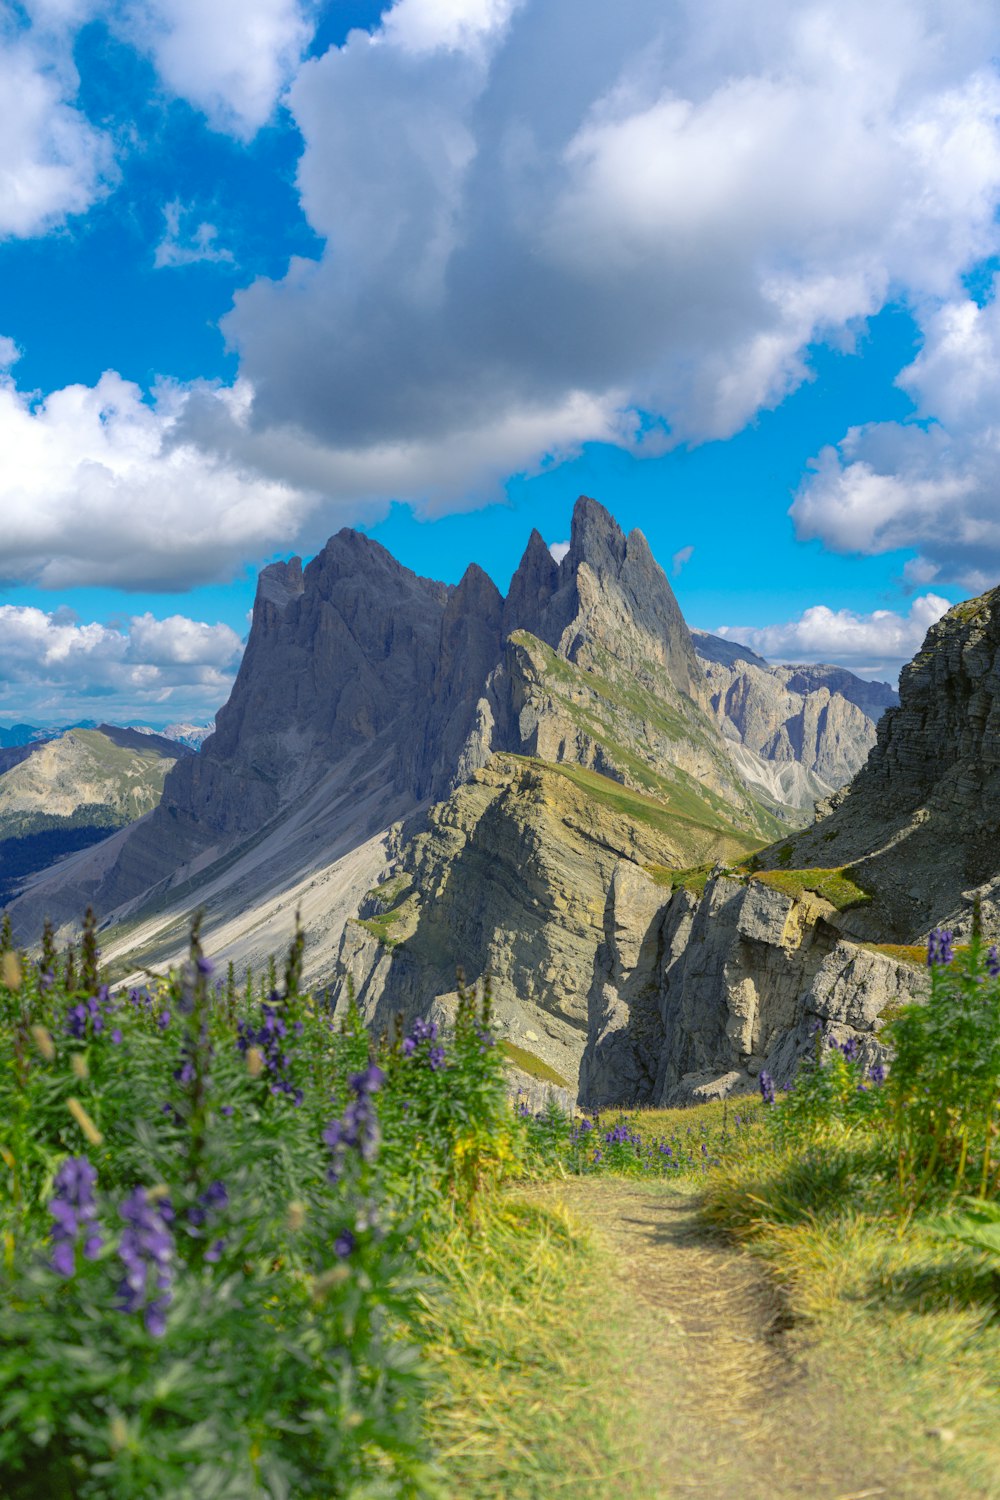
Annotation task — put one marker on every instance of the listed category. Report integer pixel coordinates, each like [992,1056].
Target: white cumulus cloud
[538,220]
[53,162]
[870,644]
[229,58]
[931,483]
[52,664]
[96,487]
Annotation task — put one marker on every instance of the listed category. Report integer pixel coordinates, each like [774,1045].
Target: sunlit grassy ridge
[839,886]
[618,712]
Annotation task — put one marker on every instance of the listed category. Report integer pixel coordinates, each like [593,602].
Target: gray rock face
[508,879]
[820,718]
[612,599]
[921,820]
[721,986]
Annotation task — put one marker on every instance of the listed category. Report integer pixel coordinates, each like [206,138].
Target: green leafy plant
[945,1083]
[214,1213]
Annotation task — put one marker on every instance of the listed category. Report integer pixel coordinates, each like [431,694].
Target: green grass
[534,1066]
[889,1305]
[379,927]
[909,953]
[641,807]
[838,886]
[531,1399]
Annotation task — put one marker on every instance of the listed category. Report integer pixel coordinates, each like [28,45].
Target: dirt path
[728,1399]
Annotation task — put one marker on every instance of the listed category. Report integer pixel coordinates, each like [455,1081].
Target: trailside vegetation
[247,1249]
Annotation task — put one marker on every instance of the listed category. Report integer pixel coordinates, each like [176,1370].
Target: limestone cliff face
[921,820]
[507,879]
[693,996]
[820,718]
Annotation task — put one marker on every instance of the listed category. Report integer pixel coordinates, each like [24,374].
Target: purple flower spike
[147,1251]
[939,947]
[766,1087]
[358,1127]
[74,1212]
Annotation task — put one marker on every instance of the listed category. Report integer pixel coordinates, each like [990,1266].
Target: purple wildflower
[269,1039]
[344,1244]
[73,1212]
[939,947]
[358,1127]
[877,1074]
[766,1087]
[146,1250]
[87,1017]
[204,1215]
[993,963]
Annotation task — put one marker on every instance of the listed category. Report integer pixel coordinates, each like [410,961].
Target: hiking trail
[729,1397]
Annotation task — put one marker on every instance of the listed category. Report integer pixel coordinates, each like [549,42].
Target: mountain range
[440,777]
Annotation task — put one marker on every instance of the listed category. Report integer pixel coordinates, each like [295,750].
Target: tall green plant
[945,1081]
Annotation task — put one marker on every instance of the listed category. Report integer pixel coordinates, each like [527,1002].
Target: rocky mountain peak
[277,585]
[595,539]
[531,588]
[613,603]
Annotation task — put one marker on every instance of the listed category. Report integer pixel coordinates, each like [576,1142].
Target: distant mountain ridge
[805,730]
[61,794]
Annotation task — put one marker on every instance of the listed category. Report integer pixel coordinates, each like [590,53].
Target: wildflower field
[250,1250]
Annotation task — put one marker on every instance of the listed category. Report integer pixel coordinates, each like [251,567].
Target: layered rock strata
[507,879]
[694,995]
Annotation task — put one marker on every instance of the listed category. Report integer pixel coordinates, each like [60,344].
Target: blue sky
[271,267]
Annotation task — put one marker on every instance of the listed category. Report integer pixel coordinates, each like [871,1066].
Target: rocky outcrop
[694,995]
[811,726]
[920,822]
[507,879]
